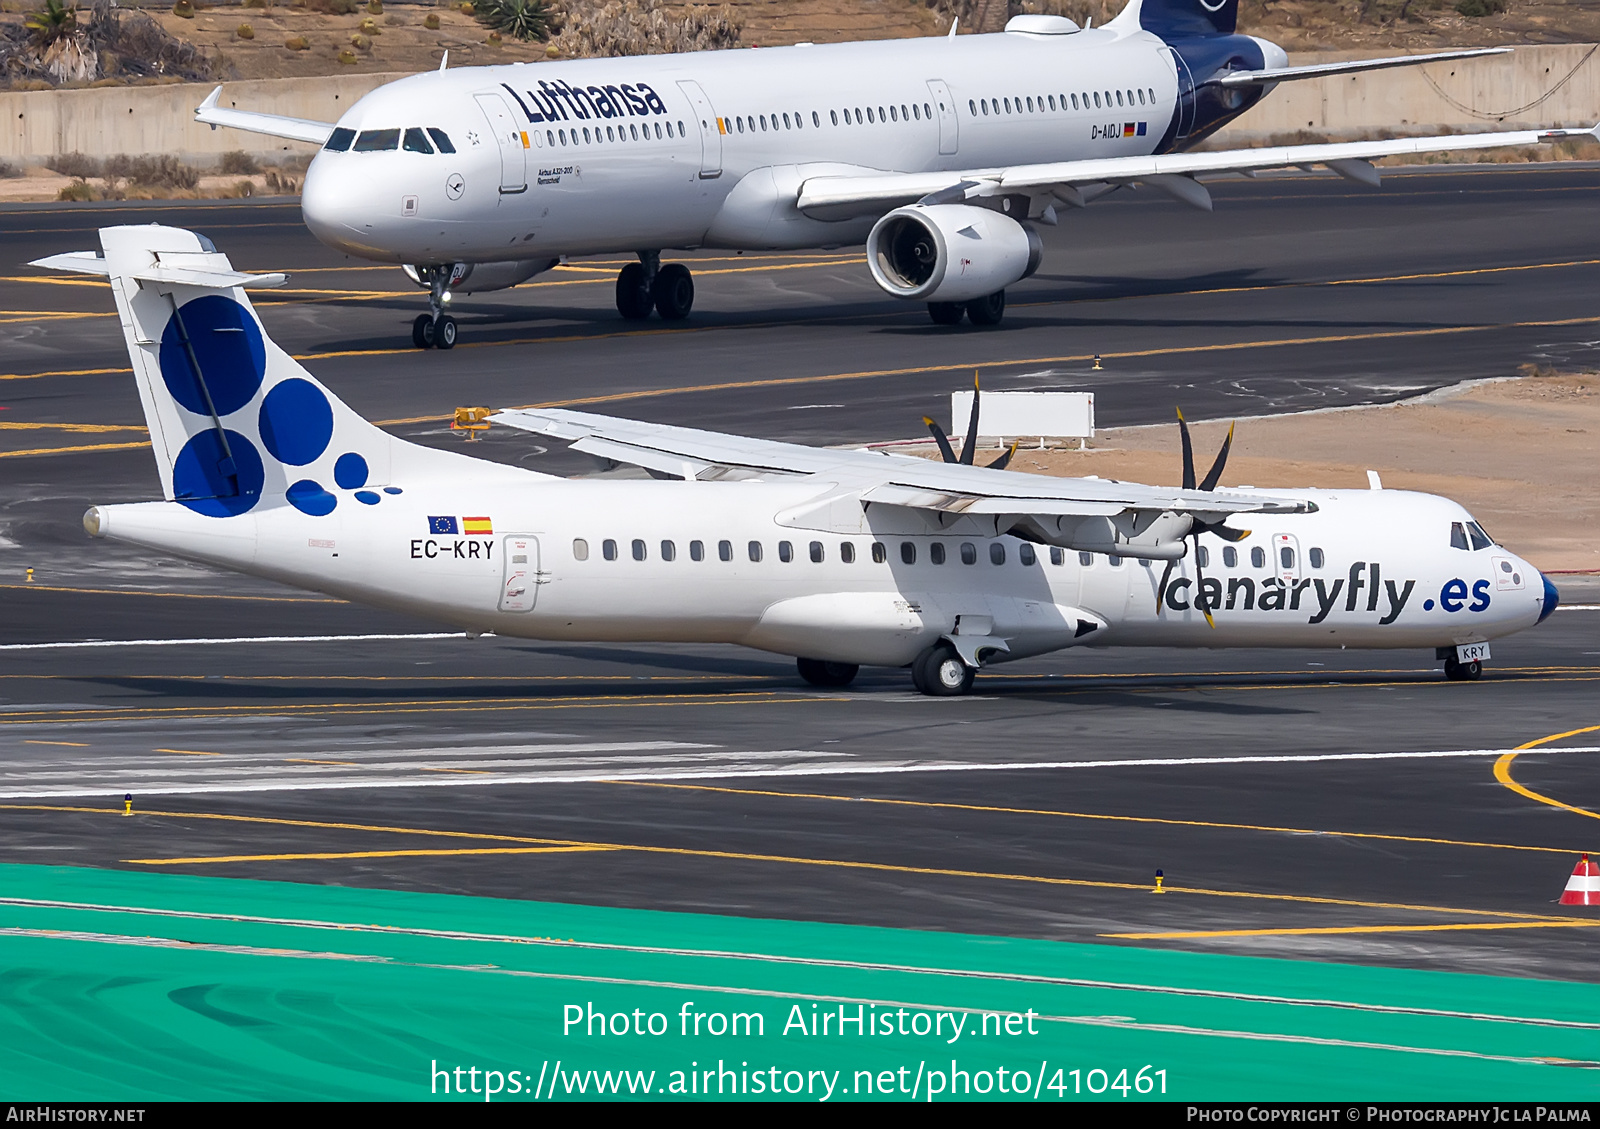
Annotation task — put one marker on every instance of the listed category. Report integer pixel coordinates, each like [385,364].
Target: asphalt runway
[714,780]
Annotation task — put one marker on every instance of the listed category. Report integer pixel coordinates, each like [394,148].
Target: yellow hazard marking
[1502,772]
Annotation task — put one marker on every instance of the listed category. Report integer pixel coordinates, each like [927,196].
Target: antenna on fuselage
[445,61]
[955,22]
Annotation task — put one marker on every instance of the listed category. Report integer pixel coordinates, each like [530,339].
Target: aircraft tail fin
[1180,19]
[233,418]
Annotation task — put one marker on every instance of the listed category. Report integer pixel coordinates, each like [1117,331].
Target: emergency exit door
[522,576]
[710,130]
[945,107]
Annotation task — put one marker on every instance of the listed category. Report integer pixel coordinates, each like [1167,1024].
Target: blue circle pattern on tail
[228,345]
[350,471]
[310,498]
[296,422]
[199,480]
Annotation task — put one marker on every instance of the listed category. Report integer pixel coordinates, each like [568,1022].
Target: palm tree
[60,43]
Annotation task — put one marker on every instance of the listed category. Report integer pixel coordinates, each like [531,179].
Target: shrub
[183,10]
[297,43]
[645,28]
[76,165]
[77,190]
[160,171]
[237,163]
[1477,9]
[431,21]
[245,31]
[9,171]
[520,19]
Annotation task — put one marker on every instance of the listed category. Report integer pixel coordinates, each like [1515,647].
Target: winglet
[211,99]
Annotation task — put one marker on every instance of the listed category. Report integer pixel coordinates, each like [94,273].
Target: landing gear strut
[647,285]
[987,310]
[435,329]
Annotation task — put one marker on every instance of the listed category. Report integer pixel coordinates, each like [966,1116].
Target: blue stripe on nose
[1552,599]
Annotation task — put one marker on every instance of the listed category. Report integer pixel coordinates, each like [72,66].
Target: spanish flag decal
[472,525]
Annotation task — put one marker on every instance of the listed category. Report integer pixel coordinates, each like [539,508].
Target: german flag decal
[478,525]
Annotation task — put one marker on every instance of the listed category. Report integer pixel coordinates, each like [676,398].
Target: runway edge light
[1583,888]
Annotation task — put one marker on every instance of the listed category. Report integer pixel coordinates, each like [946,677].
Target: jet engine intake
[950,252]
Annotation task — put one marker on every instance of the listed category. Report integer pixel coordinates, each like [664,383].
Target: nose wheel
[430,332]
[647,285]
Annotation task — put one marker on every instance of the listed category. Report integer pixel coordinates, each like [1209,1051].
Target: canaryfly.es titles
[560,101]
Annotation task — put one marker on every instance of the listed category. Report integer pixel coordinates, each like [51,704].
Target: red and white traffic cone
[1583,888]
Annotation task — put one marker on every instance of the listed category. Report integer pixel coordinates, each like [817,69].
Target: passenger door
[710,130]
[513,142]
[522,576]
[945,107]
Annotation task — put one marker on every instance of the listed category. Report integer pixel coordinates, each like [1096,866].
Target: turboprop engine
[950,252]
[477,278]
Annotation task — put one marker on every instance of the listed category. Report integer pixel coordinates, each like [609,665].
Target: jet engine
[950,252]
[478,278]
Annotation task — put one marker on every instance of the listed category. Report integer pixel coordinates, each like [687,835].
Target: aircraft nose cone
[330,208]
[1552,599]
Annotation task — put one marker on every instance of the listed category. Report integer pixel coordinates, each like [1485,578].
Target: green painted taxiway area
[123,987]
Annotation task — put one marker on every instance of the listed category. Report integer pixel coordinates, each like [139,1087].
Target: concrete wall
[1496,93]
[143,120]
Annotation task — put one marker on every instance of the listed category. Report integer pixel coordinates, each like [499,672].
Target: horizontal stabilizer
[92,262]
[273,125]
[1352,66]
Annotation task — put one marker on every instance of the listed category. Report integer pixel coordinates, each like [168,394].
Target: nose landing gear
[647,285]
[436,329]
[431,332]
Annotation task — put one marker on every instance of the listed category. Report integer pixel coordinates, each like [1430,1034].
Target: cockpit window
[339,140]
[1480,539]
[441,139]
[377,140]
[416,142]
[1458,535]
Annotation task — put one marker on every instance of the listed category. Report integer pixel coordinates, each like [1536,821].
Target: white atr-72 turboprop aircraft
[840,558]
[937,152]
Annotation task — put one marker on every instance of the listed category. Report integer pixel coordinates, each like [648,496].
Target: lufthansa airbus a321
[840,558]
[941,154]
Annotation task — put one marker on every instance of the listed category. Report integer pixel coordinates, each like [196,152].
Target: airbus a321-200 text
[941,154]
[840,558]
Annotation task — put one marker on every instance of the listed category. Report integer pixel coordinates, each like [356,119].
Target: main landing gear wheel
[1457,671]
[940,673]
[634,301]
[434,332]
[673,292]
[821,673]
[946,313]
[987,310]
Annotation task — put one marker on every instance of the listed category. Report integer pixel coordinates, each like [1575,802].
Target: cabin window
[786,124]
[638,549]
[763,120]
[611,133]
[881,118]
[870,118]
[1085,559]
[1202,557]
[680,130]
[816,552]
[1074,101]
[969,553]
[377,140]
[1116,562]
[916,111]
[997,553]
[1152,95]
[816,119]
[1057,556]
[908,552]
[1258,557]
[339,140]
[669,551]
[564,137]
[1141,97]
[633,131]
[755,551]
[1052,101]
[972,107]
[894,114]
[1030,105]
[847,552]
[1147,563]
[580,549]
[927,111]
[834,115]
[1480,539]
[658,130]
[697,550]
[858,115]
[1007,104]
[739,122]
[1097,99]
[1316,558]
[785,551]
[879,552]
[415,141]
[552,136]
[936,552]
[586,139]
[1119,97]
[1025,554]
[1286,556]
[1458,535]
[608,549]
[724,550]
[1230,556]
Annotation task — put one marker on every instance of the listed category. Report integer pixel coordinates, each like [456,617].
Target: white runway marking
[216,642]
[162,774]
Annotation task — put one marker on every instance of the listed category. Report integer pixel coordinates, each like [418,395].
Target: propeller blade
[939,438]
[969,446]
[1200,600]
[1188,453]
[1217,529]
[1004,459]
[1161,589]
[1209,482]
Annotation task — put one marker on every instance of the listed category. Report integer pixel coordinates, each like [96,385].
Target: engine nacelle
[479,278]
[950,252]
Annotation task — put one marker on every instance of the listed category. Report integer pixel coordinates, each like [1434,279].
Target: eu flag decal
[443,525]
[1141,129]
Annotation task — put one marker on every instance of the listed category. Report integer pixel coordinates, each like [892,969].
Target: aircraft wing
[884,479]
[295,129]
[1324,70]
[834,197]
